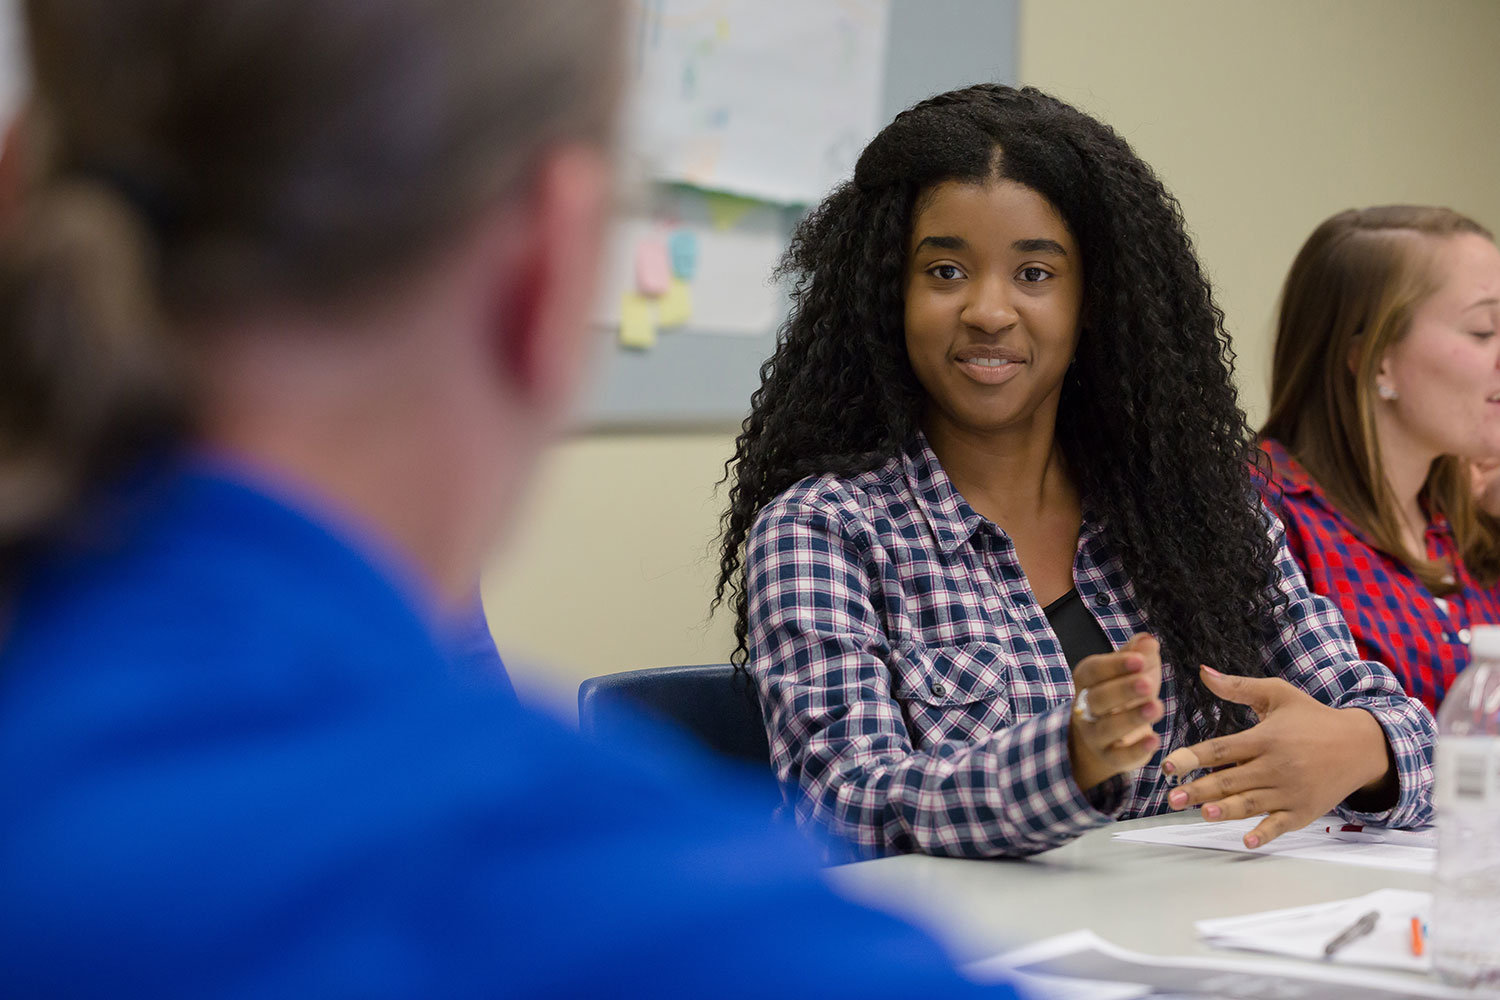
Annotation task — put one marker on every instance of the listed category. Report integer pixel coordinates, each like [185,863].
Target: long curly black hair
[1149,420]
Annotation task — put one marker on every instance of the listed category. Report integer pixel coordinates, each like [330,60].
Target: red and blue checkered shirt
[1394,618]
[917,699]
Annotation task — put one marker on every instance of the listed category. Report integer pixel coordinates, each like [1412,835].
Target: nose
[988,307]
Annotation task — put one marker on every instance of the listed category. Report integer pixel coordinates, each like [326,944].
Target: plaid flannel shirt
[917,700]
[1395,620]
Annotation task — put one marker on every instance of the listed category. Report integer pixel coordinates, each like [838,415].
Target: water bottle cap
[1484,641]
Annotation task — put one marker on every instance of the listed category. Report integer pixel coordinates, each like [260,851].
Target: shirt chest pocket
[952,692]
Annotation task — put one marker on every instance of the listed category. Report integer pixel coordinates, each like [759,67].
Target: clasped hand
[1298,762]
[1121,689]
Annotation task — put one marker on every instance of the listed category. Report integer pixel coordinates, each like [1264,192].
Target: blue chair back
[708,702]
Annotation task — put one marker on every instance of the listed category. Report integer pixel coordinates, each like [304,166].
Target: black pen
[1353,932]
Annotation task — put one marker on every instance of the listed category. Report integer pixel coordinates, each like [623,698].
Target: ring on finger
[1081,706]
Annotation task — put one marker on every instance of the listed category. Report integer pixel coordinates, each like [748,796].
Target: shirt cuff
[1108,797]
[1410,734]
[1052,809]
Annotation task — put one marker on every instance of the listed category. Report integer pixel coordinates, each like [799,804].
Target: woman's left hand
[1298,762]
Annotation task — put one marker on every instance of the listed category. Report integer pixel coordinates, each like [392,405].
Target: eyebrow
[1039,246]
[1483,302]
[1020,246]
[944,242]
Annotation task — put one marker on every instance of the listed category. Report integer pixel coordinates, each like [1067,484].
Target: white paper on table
[1302,931]
[773,99]
[1084,955]
[1392,850]
[1040,986]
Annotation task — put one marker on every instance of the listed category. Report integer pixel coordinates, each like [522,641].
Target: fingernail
[1209,670]
[1251,840]
[1177,798]
[1142,686]
[1168,767]
[1148,711]
[1135,664]
[1212,812]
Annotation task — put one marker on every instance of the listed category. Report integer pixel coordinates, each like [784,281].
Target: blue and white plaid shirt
[917,697]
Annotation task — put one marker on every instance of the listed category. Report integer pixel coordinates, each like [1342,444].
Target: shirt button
[938,690]
[1101,600]
[1463,636]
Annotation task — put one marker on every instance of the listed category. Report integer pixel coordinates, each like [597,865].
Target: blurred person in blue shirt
[292,295]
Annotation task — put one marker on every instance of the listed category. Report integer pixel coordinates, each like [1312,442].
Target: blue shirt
[240,758]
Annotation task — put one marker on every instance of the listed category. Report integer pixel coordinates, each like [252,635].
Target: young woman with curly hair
[991,510]
[1384,429]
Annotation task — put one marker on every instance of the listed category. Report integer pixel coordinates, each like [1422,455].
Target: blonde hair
[186,160]
[1350,295]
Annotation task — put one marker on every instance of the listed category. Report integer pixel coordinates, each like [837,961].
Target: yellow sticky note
[637,324]
[728,209]
[675,307]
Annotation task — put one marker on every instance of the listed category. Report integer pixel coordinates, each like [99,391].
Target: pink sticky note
[653,266]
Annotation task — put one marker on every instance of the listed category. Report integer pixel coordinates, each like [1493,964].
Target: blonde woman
[1384,430]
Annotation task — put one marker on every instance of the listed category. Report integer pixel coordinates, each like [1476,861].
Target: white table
[1140,896]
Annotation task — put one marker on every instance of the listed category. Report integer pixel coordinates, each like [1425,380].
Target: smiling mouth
[988,370]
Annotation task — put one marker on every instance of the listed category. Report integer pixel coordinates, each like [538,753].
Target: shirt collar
[952,520]
[1287,472]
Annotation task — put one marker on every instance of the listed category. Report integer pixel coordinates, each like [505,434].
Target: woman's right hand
[1121,691]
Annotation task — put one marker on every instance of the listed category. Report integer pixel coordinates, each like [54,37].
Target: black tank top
[1076,629]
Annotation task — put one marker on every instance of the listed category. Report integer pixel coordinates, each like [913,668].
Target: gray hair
[191,158]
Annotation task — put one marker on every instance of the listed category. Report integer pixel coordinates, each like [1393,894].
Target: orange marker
[1416,936]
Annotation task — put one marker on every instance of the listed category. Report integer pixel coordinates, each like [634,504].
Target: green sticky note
[727,210]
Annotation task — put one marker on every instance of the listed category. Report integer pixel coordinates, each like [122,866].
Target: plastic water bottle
[1465,931]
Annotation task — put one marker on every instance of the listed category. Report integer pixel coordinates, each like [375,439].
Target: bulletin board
[724,91]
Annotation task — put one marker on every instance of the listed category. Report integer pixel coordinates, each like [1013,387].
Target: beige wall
[1263,116]
[613,569]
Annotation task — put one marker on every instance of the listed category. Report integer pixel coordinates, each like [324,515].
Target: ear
[12,170]
[1383,369]
[1356,353]
[545,295]
[1356,358]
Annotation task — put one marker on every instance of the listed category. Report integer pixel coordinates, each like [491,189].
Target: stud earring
[1385,392]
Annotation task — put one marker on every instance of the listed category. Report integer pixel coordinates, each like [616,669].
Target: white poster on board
[772,99]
